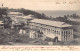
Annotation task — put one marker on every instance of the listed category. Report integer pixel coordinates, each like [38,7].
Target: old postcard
[39,25]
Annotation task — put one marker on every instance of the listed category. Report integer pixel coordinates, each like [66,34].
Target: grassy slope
[76,31]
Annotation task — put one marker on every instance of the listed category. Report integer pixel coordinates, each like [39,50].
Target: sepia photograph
[40,22]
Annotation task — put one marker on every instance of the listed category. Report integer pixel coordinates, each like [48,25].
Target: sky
[42,4]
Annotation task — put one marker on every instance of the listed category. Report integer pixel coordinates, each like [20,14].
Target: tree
[7,22]
[3,12]
[65,18]
[51,17]
[68,15]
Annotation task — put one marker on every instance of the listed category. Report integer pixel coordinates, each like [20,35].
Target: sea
[57,13]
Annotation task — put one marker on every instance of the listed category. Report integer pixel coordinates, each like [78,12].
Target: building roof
[27,17]
[51,23]
[15,13]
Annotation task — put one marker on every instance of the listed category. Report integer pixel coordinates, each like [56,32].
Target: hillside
[27,12]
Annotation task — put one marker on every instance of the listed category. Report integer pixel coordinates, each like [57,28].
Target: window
[64,37]
[66,32]
[53,31]
[49,30]
[35,35]
[69,36]
[57,32]
[62,33]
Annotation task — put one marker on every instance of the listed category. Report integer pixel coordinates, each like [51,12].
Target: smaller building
[22,31]
[13,14]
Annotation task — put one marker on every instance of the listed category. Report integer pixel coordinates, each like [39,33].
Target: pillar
[62,36]
[71,34]
[31,34]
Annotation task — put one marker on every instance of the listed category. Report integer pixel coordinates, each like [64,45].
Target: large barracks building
[51,29]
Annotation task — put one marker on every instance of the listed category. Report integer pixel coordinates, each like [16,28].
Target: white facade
[52,29]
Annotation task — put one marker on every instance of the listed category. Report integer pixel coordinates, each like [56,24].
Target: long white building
[51,29]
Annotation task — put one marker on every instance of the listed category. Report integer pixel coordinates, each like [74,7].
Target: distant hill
[28,12]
